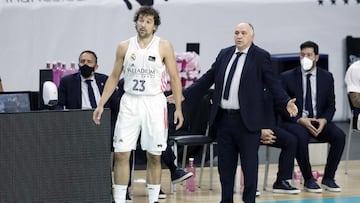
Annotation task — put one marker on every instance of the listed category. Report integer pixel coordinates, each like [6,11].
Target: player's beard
[143,33]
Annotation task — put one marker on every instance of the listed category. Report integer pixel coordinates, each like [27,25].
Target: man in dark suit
[73,89]
[238,105]
[313,89]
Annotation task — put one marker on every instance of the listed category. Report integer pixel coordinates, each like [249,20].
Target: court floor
[349,183]
[322,200]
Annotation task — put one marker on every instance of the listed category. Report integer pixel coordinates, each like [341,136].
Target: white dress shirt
[305,113]
[233,101]
[85,101]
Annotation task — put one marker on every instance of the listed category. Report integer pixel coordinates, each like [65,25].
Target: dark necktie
[308,98]
[91,94]
[231,75]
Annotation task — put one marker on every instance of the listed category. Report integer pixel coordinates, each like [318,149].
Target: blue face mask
[86,70]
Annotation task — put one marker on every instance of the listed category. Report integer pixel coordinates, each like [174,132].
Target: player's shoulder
[124,43]
[123,47]
[165,44]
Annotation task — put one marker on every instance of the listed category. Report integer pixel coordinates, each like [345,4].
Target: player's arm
[168,54]
[112,81]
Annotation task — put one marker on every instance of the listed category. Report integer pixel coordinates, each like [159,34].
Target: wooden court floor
[349,183]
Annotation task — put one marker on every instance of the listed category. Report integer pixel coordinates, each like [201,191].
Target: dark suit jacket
[70,90]
[257,73]
[325,96]
[270,115]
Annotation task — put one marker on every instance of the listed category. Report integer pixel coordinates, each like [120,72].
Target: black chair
[195,132]
[267,164]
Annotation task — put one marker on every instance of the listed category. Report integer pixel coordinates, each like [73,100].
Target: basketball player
[143,61]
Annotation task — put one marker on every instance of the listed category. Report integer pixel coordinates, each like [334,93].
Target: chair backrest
[200,114]
[350,103]
[196,115]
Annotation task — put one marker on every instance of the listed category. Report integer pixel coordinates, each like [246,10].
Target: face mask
[86,70]
[306,63]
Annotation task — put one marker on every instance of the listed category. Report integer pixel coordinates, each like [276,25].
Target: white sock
[119,193]
[153,191]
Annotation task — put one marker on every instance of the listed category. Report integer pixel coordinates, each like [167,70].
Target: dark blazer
[70,90]
[325,96]
[270,114]
[257,73]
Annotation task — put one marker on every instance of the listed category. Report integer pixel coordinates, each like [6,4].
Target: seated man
[352,80]
[313,88]
[82,90]
[275,136]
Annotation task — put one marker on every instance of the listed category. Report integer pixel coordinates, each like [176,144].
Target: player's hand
[178,119]
[97,115]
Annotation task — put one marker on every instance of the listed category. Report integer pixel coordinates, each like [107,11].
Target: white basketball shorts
[141,114]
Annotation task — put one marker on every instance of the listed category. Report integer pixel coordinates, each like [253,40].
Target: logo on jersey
[152,58]
[133,56]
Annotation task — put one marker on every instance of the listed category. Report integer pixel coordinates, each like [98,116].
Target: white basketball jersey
[144,71]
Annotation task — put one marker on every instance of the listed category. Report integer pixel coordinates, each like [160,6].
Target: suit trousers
[168,157]
[234,138]
[287,142]
[330,134]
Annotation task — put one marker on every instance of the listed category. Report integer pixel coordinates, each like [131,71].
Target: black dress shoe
[330,185]
[311,186]
[283,186]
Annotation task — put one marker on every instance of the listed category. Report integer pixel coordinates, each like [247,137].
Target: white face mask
[306,63]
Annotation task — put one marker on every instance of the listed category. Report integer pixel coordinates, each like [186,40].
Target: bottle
[190,183]
[56,73]
[73,68]
[48,65]
[63,70]
[297,176]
